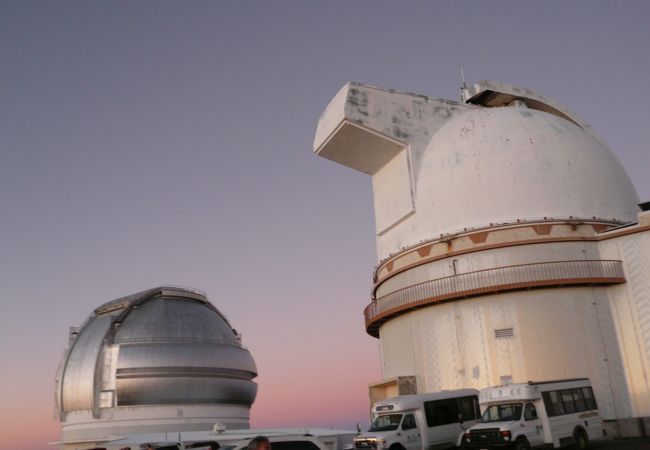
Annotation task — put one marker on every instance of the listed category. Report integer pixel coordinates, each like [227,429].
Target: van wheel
[522,444]
[580,439]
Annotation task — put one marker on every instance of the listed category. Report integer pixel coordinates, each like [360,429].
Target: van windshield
[387,422]
[502,413]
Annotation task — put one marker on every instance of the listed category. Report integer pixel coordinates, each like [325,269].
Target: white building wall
[557,333]
[630,305]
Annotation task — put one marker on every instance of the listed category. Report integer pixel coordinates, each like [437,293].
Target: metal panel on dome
[174,319]
[186,355]
[78,380]
[197,387]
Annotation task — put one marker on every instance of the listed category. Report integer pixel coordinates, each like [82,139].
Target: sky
[156,142]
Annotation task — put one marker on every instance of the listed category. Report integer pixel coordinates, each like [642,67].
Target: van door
[410,433]
[532,425]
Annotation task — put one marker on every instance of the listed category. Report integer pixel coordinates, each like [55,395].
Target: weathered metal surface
[77,382]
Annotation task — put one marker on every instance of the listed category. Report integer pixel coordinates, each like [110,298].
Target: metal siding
[174,319]
[78,383]
[183,390]
[186,355]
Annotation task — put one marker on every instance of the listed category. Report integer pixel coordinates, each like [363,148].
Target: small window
[579,399]
[590,401]
[530,413]
[553,403]
[409,422]
[441,412]
[468,407]
[567,401]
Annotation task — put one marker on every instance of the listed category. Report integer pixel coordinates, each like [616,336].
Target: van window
[590,401]
[502,412]
[569,401]
[579,400]
[441,412]
[468,407]
[553,403]
[409,422]
[385,422]
[530,413]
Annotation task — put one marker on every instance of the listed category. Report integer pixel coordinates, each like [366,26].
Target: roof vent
[504,333]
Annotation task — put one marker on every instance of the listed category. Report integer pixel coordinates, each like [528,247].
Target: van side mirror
[460,418]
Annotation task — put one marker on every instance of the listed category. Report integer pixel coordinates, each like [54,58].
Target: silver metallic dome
[142,356]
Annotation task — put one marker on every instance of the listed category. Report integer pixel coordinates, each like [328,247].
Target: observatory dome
[503,164]
[163,359]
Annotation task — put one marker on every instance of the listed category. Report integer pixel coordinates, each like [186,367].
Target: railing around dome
[507,278]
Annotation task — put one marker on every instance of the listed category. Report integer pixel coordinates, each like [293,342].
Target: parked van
[416,422]
[527,415]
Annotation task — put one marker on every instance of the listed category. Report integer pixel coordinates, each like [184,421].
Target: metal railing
[490,280]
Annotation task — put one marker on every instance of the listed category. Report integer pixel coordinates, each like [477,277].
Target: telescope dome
[162,359]
[498,165]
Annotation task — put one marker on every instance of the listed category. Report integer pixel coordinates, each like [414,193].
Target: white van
[527,415]
[416,422]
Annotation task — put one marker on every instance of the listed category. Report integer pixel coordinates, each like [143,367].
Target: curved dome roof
[173,319]
[497,165]
[163,346]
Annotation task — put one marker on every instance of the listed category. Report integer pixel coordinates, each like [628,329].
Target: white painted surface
[630,304]
[475,166]
[558,333]
[393,192]
[502,164]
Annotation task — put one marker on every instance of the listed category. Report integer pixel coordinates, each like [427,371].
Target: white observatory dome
[499,165]
[509,241]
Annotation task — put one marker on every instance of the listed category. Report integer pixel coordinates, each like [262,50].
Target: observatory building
[164,359]
[510,241]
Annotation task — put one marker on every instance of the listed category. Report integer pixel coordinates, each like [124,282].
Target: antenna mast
[463,88]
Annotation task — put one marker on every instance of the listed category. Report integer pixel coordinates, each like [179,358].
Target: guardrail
[507,278]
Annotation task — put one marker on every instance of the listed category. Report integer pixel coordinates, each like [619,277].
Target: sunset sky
[157,142]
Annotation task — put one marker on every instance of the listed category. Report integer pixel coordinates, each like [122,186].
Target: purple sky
[144,143]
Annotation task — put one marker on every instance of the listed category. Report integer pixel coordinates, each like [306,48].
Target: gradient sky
[146,142]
